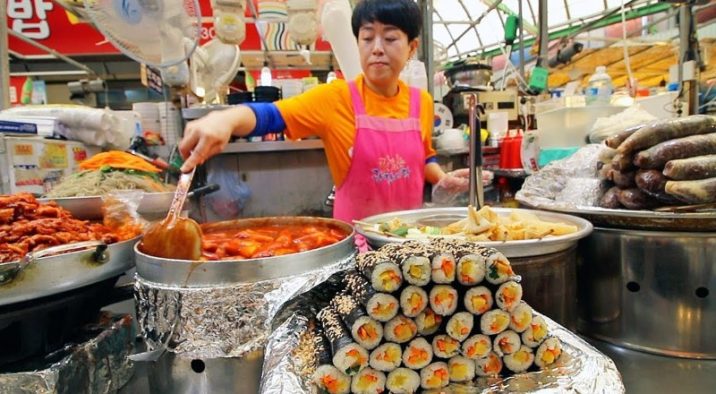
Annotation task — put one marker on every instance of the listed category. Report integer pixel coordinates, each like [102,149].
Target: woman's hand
[450,186]
[204,138]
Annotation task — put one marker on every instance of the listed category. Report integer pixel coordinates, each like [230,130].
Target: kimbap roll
[443,268]
[413,301]
[348,356]
[536,332]
[380,306]
[508,296]
[443,300]
[435,376]
[445,347]
[478,300]
[328,379]
[368,381]
[477,346]
[416,270]
[506,342]
[386,357]
[461,369]
[494,322]
[521,317]
[470,270]
[460,326]
[383,274]
[418,354]
[520,360]
[428,322]
[488,366]
[400,329]
[403,381]
[497,268]
[548,352]
[366,331]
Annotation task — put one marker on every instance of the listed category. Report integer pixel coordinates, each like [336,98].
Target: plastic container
[600,87]
[266,76]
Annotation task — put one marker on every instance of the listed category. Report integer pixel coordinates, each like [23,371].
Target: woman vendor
[376,130]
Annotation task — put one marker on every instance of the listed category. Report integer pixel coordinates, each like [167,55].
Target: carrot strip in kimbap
[416,270]
[520,360]
[368,381]
[488,366]
[348,356]
[494,322]
[445,347]
[443,268]
[428,322]
[497,268]
[380,306]
[461,369]
[548,352]
[364,329]
[470,269]
[403,381]
[386,357]
[477,346]
[460,326]
[535,333]
[328,379]
[478,300]
[508,296]
[443,300]
[413,301]
[435,376]
[383,274]
[418,354]
[521,317]
[506,342]
[400,329]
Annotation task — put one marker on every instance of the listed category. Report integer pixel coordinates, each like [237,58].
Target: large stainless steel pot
[469,72]
[649,290]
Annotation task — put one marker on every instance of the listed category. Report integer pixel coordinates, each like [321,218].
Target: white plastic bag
[414,74]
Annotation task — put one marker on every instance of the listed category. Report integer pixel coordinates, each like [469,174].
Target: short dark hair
[403,14]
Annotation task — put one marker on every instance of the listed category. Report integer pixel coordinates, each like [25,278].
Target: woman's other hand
[204,138]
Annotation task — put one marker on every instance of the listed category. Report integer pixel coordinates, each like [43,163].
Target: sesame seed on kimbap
[536,332]
[383,273]
[548,352]
[494,322]
[428,322]
[506,342]
[443,268]
[386,357]
[416,270]
[400,329]
[520,317]
[508,296]
[418,354]
[460,326]
[445,347]
[497,268]
[488,366]
[470,269]
[434,376]
[443,300]
[329,379]
[413,300]
[403,381]
[477,346]
[348,356]
[461,369]
[478,300]
[520,360]
[368,381]
[365,330]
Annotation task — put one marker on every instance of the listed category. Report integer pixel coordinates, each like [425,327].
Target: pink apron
[387,166]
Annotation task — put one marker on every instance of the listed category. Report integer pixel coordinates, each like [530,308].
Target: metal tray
[152,206]
[444,216]
[186,273]
[78,265]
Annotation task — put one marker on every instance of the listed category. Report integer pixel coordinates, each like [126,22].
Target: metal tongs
[477,190]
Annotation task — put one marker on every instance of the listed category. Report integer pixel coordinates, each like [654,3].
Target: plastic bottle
[600,87]
[266,76]
[26,93]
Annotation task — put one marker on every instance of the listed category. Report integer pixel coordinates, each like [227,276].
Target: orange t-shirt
[326,111]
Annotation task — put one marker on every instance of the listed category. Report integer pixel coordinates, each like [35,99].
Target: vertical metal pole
[543,32]
[476,190]
[426,41]
[687,53]
[4,59]
[522,41]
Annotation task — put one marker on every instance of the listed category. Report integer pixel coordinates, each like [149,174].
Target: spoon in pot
[175,237]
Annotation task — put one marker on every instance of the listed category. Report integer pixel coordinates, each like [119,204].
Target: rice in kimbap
[380,306]
[330,380]
[413,301]
[548,352]
[383,274]
[418,354]
[386,357]
[400,329]
[443,268]
[494,322]
[506,342]
[478,300]
[470,269]
[477,346]
[435,376]
[508,296]
[520,360]
[535,333]
[521,317]
[416,270]
[460,326]
[348,356]
[364,330]
[445,347]
[497,268]
[368,381]
[488,366]
[428,322]
[403,381]
[461,369]
[443,300]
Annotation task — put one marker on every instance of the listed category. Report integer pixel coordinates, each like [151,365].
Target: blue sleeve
[432,159]
[268,119]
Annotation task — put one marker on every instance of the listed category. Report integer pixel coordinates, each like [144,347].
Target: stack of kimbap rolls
[417,316]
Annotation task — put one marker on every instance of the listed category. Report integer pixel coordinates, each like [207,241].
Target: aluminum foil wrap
[566,183]
[97,365]
[218,321]
[581,369]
